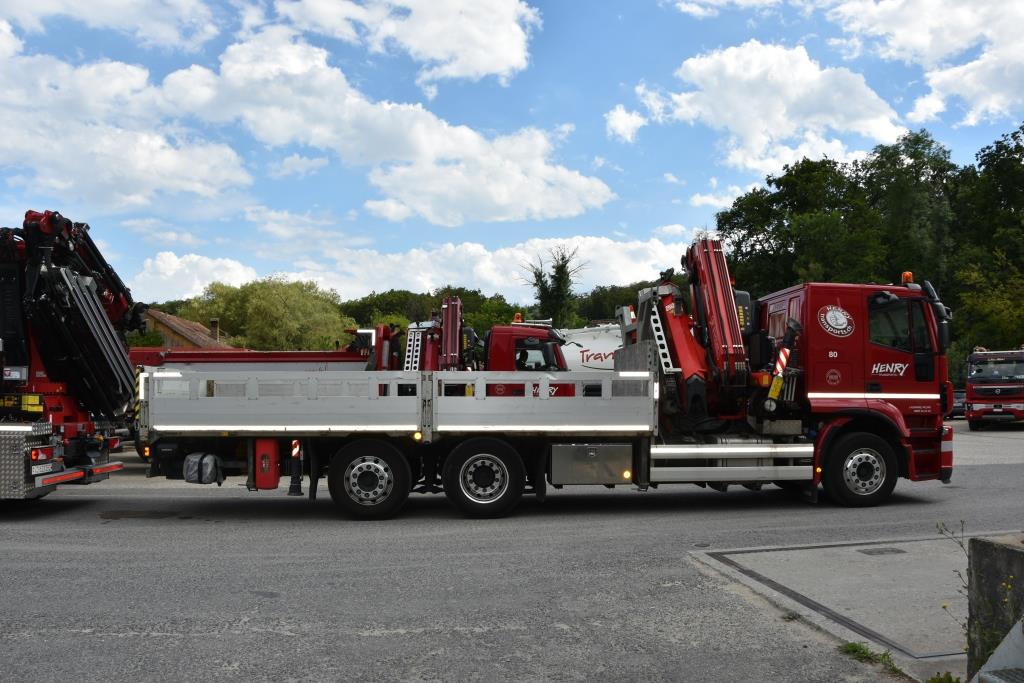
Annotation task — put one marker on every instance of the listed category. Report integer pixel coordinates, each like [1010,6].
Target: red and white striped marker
[296,450]
[780,364]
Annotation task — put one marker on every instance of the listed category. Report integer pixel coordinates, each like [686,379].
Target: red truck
[840,385]
[995,387]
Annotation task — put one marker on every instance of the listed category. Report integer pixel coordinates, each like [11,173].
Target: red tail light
[45,453]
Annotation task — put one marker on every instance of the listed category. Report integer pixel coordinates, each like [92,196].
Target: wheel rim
[864,471]
[483,478]
[369,480]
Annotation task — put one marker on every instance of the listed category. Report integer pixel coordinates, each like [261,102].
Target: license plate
[42,469]
[997,409]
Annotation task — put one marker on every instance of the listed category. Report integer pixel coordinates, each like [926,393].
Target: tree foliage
[273,314]
[905,206]
[553,286]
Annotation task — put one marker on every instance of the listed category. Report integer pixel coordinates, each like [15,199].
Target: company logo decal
[889,369]
[833,377]
[835,320]
[588,356]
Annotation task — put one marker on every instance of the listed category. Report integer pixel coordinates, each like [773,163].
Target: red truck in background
[67,388]
[995,387]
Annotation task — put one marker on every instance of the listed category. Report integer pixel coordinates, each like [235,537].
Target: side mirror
[944,335]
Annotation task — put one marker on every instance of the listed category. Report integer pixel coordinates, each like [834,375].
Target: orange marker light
[908,277]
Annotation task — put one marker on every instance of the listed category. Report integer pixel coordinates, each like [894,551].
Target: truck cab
[995,387]
[514,347]
[871,356]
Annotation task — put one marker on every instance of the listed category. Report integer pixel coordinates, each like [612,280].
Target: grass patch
[862,653]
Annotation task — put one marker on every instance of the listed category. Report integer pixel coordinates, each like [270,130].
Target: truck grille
[998,391]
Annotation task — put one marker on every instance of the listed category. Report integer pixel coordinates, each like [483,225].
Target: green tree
[394,301]
[909,184]
[150,338]
[274,314]
[554,288]
[812,222]
[492,311]
[602,301]
[990,309]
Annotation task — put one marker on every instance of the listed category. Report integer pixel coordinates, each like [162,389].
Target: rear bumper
[86,474]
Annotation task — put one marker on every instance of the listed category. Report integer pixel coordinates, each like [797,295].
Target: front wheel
[484,477]
[369,479]
[860,470]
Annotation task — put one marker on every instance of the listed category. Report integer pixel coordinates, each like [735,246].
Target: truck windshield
[996,370]
[536,356]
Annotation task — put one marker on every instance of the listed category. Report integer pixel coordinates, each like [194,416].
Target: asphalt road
[137,579]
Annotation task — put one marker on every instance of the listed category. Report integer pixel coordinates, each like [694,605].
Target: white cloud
[112,137]
[672,179]
[454,39]
[10,44]
[156,231]
[288,225]
[673,230]
[296,165]
[164,23]
[776,104]
[389,209]
[168,276]
[601,162]
[96,139]
[702,9]
[357,272]
[623,124]
[274,84]
[717,201]
[970,51]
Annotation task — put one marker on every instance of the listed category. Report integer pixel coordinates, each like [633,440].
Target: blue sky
[415,143]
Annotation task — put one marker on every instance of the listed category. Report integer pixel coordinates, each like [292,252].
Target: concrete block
[995,594]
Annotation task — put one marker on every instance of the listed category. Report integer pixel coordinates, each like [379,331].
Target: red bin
[268,464]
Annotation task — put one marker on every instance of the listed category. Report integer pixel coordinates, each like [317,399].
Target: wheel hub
[483,478]
[369,480]
[864,471]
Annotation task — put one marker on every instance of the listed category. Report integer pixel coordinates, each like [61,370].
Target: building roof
[194,332]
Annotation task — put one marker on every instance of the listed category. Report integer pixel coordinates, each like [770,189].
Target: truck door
[901,358]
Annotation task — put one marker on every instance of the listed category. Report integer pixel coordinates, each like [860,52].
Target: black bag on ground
[203,468]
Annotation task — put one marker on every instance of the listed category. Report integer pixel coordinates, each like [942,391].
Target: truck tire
[369,479]
[484,477]
[974,425]
[860,470]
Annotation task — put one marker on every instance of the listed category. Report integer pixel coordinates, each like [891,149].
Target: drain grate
[881,551]
[136,514]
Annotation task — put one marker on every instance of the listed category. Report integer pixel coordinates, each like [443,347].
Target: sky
[409,144]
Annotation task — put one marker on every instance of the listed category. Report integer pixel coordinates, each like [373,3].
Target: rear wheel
[369,479]
[974,425]
[861,470]
[484,477]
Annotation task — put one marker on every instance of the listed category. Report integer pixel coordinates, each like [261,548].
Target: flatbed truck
[843,386]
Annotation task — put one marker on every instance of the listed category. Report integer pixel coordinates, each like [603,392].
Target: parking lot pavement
[993,444]
[163,580]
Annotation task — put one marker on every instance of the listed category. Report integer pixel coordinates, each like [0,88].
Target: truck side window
[889,324]
[922,342]
[534,356]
